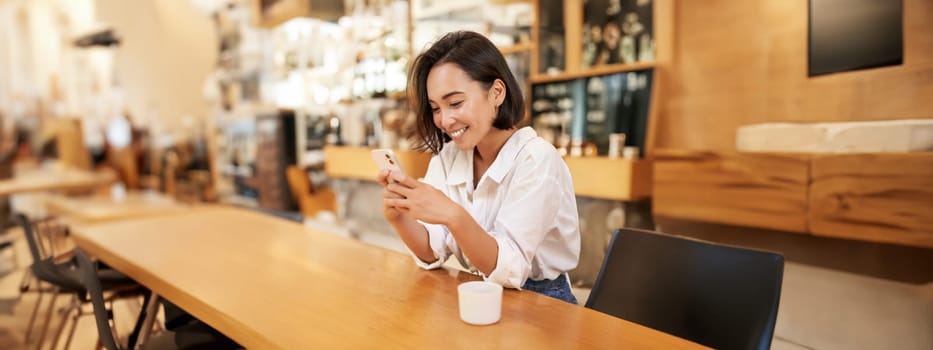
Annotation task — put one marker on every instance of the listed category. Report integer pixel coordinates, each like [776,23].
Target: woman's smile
[455,134]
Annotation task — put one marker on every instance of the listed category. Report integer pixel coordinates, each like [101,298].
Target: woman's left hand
[420,200]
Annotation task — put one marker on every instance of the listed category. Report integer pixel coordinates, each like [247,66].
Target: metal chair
[43,276]
[56,274]
[90,278]
[720,296]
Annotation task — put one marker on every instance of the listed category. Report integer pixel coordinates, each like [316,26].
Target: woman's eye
[435,110]
[456,104]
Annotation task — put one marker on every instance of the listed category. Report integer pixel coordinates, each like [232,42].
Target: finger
[397,203]
[399,189]
[403,179]
[391,195]
[383,177]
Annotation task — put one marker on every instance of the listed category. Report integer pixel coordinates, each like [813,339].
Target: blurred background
[803,127]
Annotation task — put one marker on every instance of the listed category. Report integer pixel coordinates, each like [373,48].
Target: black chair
[61,277]
[716,295]
[43,270]
[89,276]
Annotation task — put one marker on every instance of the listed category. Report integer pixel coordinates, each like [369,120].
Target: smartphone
[386,159]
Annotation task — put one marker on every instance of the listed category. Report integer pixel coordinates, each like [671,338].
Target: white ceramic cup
[480,302]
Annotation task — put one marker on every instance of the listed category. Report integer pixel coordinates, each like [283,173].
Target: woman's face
[462,107]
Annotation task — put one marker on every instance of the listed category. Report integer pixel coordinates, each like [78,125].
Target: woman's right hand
[391,213]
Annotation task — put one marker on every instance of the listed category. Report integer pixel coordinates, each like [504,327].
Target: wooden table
[99,208]
[53,179]
[272,284]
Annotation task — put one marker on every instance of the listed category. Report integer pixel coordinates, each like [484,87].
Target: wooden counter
[877,197]
[610,178]
[766,190]
[884,198]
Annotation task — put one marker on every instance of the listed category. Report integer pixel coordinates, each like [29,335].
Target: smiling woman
[497,197]
[457,56]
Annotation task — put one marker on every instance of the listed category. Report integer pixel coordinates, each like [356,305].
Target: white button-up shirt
[525,200]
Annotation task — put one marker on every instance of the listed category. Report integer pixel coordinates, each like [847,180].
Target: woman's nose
[447,118]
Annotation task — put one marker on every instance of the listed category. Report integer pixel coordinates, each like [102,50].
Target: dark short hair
[483,62]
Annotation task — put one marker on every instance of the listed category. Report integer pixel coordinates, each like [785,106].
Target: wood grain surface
[765,190]
[874,197]
[272,284]
[610,178]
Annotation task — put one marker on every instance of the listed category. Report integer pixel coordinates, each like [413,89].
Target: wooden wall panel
[741,62]
[749,189]
[874,197]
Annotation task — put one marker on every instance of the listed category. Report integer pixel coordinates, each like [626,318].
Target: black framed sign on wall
[846,35]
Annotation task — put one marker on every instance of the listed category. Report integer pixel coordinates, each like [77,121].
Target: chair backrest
[31,238]
[716,295]
[44,267]
[91,281]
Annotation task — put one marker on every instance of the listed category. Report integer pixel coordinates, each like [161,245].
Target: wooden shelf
[517,48]
[878,197]
[349,162]
[610,178]
[767,190]
[592,72]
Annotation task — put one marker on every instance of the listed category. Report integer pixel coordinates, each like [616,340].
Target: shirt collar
[462,169]
[506,157]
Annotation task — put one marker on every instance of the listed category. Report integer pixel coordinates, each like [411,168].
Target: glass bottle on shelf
[645,48]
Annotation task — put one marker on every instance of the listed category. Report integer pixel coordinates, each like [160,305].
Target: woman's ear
[498,92]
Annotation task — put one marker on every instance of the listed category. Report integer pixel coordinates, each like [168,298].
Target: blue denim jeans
[557,288]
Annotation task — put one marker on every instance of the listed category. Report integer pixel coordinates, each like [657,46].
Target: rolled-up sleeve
[437,234]
[524,220]
[512,269]
[437,238]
